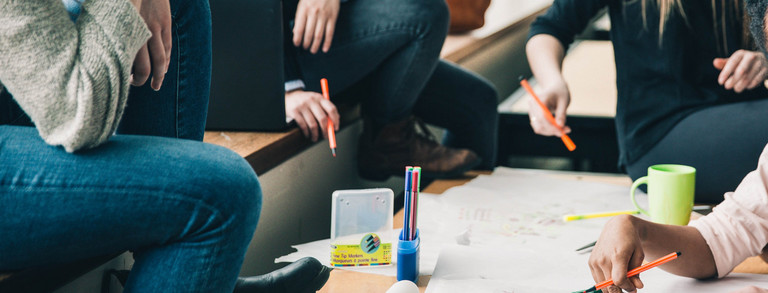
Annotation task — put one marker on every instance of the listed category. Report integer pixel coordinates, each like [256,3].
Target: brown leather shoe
[400,144]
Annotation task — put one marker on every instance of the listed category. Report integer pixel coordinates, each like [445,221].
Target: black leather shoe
[303,276]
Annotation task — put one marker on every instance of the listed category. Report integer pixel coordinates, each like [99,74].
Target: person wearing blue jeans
[69,190]
[385,54]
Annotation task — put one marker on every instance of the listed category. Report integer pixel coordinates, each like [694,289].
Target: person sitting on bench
[71,190]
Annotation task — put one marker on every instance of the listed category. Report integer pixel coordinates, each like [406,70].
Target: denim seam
[178,75]
[122,189]
[351,41]
[415,31]
[417,47]
[174,195]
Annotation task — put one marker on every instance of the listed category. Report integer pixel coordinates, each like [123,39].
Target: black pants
[722,142]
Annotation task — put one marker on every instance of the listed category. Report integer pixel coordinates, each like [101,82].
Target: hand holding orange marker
[331,132]
[638,270]
[547,114]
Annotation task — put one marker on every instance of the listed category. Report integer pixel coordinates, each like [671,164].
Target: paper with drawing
[466,269]
[509,232]
[510,206]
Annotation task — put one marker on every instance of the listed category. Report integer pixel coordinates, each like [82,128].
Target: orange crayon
[638,270]
[564,137]
[331,132]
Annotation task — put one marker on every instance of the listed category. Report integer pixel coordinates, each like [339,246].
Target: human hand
[618,249]
[311,112]
[556,97]
[155,55]
[751,289]
[315,21]
[137,4]
[743,70]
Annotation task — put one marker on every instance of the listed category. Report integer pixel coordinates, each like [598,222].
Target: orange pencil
[564,137]
[331,132]
[638,270]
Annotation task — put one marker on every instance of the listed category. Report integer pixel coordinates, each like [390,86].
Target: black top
[292,69]
[658,83]
[291,52]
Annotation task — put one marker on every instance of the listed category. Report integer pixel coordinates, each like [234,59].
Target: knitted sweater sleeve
[71,78]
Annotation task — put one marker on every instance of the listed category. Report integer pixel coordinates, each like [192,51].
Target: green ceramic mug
[670,193]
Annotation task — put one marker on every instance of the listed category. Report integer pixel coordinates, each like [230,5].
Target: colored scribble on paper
[510,223]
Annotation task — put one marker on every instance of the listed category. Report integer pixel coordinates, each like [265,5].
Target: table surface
[342,281]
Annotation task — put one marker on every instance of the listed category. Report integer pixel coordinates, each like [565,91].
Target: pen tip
[679,253]
[520,78]
[333,151]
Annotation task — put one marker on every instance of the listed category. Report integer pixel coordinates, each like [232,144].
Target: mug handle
[635,185]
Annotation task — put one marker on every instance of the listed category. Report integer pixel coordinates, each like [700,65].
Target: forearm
[545,56]
[70,78]
[696,260]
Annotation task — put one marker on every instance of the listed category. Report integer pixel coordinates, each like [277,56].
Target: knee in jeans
[430,14]
[228,182]
[486,93]
[438,11]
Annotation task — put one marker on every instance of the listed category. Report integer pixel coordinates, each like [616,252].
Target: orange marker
[638,270]
[566,139]
[331,132]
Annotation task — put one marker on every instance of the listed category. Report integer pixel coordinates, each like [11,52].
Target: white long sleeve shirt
[738,227]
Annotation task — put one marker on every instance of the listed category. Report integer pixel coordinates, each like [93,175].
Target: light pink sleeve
[738,227]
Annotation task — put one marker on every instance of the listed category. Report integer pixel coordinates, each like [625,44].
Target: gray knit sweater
[70,78]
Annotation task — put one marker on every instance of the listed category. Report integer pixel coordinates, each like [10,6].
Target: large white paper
[511,208]
[466,269]
[521,210]
[516,240]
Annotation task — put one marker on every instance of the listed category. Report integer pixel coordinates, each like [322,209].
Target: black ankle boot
[386,151]
[303,276]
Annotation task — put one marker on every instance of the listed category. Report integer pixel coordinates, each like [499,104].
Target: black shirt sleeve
[566,18]
[290,52]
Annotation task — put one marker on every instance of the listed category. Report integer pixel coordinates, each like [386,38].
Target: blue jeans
[179,108]
[385,54]
[185,208]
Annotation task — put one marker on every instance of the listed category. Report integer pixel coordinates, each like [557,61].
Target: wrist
[293,93]
[640,227]
[293,85]
[136,4]
[552,81]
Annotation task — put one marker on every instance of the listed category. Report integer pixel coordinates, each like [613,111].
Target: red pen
[331,132]
[416,186]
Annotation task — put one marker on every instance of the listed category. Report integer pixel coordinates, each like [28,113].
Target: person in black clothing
[757,14]
[385,55]
[689,86]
